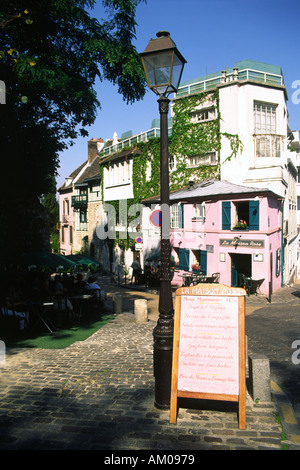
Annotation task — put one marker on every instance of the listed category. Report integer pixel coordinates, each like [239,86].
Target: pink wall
[66,218]
[198,234]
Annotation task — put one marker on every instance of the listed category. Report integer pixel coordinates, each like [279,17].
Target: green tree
[51,53]
[50,203]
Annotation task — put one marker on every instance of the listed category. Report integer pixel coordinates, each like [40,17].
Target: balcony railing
[131,141]
[79,202]
[240,75]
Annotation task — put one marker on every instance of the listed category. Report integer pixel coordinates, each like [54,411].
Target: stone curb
[287,416]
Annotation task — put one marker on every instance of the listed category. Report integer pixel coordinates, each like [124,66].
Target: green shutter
[203,261]
[253,215]
[226,215]
[184,259]
[181,215]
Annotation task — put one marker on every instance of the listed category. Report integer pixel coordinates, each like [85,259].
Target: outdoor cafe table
[79,300]
[41,309]
[189,278]
[256,283]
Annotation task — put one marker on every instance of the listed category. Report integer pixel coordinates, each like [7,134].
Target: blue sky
[211,35]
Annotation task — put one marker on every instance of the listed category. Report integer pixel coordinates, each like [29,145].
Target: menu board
[209,345]
[208,350]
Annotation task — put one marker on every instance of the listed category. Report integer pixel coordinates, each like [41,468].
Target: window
[267,143]
[264,118]
[177,216]
[199,211]
[118,173]
[247,211]
[82,216]
[204,115]
[209,158]
[268,146]
[246,215]
[66,207]
[71,234]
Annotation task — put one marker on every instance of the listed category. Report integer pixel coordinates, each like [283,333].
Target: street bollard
[117,303]
[141,310]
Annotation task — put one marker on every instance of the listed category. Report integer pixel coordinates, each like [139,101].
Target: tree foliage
[51,53]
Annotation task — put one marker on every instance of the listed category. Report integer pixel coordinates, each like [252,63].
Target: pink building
[66,215]
[66,220]
[228,229]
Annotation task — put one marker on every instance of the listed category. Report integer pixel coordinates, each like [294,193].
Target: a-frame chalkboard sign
[209,349]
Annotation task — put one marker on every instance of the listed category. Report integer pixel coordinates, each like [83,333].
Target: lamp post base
[162,352]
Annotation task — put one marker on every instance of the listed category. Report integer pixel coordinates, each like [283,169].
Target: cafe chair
[216,277]
[96,301]
[245,282]
[10,320]
[63,310]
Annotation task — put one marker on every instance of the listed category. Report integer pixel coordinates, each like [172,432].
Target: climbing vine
[188,139]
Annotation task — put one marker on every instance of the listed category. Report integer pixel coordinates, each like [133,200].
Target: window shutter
[253,215]
[181,215]
[278,262]
[184,259]
[203,261]
[226,215]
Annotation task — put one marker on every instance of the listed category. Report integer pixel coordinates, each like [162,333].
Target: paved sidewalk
[99,395]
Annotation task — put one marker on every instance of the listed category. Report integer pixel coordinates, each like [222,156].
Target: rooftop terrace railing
[132,141]
[240,75]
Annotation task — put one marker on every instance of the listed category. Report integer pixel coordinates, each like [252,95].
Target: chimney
[92,150]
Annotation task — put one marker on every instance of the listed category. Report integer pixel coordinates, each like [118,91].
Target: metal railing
[131,141]
[240,75]
[80,201]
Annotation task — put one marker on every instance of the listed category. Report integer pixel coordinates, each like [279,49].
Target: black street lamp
[163,65]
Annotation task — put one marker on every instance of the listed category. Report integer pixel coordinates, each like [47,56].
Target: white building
[253,106]
[296,155]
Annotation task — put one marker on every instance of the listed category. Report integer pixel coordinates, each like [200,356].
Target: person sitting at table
[62,304]
[14,305]
[99,294]
[93,286]
[69,285]
[79,284]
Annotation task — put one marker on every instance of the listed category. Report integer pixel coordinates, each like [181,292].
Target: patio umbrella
[82,259]
[45,259]
[154,257]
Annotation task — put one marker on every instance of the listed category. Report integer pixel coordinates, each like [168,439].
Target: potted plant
[241,225]
[196,268]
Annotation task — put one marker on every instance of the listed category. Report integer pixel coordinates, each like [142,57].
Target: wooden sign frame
[207,298]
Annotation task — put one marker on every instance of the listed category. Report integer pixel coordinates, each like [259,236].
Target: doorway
[240,264]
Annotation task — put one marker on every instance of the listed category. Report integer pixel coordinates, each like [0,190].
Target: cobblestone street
[99,394]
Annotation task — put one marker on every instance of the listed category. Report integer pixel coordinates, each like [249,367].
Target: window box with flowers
[196,268]
[241,225]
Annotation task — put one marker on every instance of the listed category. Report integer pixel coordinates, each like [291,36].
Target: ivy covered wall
[188,139]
